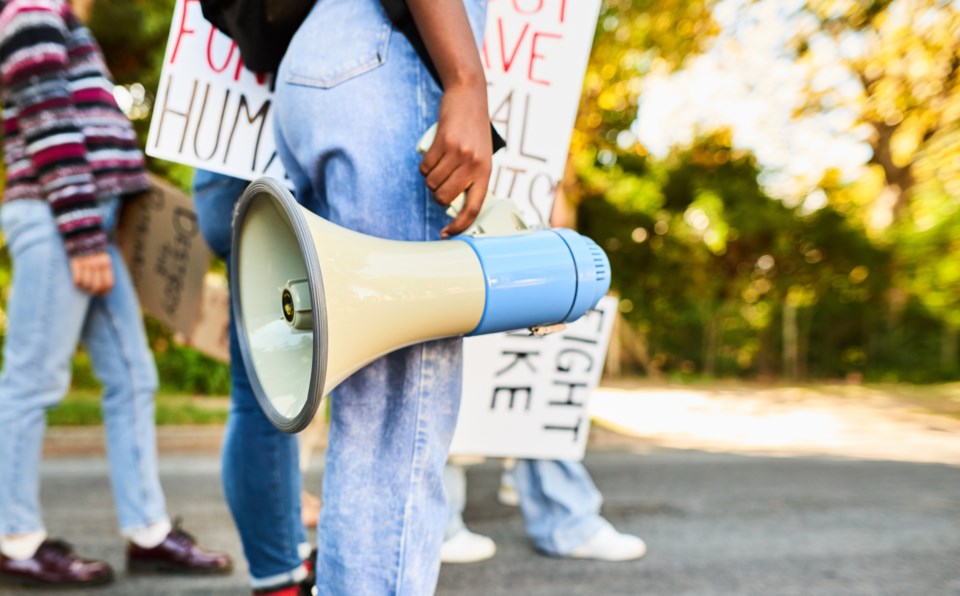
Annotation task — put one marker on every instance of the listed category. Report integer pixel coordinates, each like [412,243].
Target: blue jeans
[47,316]
[352,101]
[261,475]
[560,503]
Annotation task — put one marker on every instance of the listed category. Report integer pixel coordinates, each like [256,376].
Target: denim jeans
[352,101]
[47,316]
[261,476]
[560,503]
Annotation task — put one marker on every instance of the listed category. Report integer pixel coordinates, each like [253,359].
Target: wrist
[465,78]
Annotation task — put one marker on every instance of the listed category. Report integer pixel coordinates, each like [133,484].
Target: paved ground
[726,505]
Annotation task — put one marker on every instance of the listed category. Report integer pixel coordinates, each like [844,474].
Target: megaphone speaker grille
[278,303]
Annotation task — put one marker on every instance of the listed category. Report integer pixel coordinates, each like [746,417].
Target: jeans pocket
[340,40]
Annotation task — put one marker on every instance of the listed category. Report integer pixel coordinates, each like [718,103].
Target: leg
[561,508]
[460,545]
[455,483]
[368,99]
[261,476]
[561,505]
[45,314]
[117,343]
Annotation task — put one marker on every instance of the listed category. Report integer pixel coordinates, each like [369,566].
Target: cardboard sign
[527,396]
[210,111]
[167,257]
[214,114]
[211,334]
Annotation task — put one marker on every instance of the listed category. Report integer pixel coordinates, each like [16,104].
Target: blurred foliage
[718,278]
[714,276]
[83,408]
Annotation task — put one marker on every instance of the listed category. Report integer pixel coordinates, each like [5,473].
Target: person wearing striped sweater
[70,156]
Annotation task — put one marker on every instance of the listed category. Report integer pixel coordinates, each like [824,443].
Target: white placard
[211,112]
[535,53]
[527,396]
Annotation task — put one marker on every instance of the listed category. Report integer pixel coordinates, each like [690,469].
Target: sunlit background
[775,181]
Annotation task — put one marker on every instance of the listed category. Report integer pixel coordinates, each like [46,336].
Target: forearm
[446,33]
[34,69]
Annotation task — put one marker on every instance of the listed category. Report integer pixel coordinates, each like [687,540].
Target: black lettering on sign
[153,201]
[174,258]
[513,392]
[523,133]
[261,115]
[571,391]
[518,357]
[203,111]
[567,360]
[165,109]
[575,429]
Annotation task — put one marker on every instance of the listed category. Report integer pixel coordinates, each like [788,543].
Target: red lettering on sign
[507,63]
[226,63]
[183,30]
[534,56]
[537,7]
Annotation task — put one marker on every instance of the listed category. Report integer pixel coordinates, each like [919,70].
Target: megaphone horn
[314,302]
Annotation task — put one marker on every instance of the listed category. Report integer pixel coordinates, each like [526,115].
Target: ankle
[21,547]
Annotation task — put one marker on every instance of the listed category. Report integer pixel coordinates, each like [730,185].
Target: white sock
[150,536]
[21,547]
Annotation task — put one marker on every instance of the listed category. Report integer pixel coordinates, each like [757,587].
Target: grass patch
[83,408]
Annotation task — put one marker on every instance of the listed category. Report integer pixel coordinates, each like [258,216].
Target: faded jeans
[560,503]
[352,101]
[261,476]
[47,316]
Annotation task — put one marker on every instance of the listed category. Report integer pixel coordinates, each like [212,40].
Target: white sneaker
[610,545]
[507,493]
[467,547]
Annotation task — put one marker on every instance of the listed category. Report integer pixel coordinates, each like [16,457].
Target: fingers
[108,279]
[93,274]
[471,209]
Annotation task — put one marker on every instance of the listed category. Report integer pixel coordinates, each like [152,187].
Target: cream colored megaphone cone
[314,302]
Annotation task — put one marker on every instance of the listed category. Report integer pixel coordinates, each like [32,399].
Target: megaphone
[314,302]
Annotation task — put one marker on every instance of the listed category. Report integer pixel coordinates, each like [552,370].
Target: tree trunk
[948,349]
[790,341]
[711,344]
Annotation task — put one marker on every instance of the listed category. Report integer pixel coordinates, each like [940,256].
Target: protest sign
[167,257]
[527,396]
[535,54]
[210,111]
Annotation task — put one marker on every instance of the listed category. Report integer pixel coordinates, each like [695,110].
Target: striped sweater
[65,139]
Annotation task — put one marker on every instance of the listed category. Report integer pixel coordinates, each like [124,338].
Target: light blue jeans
[560,503]
[261,474]
[47,316]
[352,101]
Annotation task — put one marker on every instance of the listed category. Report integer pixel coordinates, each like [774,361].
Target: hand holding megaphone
[315,302]
[497,217]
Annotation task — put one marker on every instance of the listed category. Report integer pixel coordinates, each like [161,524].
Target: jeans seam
[125,355]
[415,471]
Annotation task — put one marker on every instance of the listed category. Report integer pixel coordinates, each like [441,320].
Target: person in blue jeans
[352,100]
[561,509]
[71,157]
[261,475]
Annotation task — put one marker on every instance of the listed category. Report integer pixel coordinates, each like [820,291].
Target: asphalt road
[714,524]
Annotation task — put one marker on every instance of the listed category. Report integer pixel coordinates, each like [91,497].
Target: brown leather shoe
[54,565]
[178,553]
